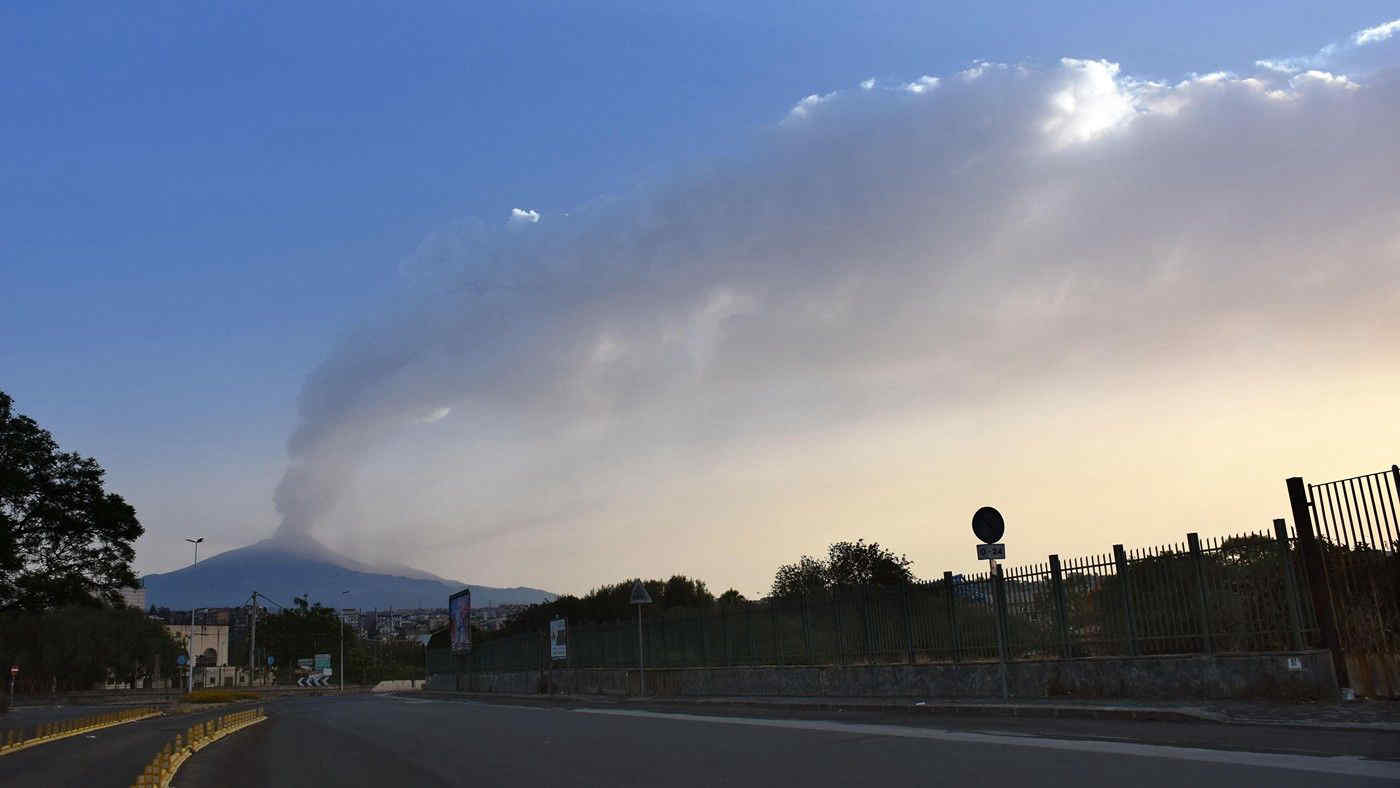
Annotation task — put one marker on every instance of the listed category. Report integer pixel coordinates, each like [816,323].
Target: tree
[731,598]
[847,564]
[63,538]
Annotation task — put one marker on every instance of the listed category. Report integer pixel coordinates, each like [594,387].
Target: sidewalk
[1354,715]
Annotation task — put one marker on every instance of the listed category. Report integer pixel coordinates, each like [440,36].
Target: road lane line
[1347,765]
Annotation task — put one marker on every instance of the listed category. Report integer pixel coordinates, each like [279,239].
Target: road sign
[986,552]
[323,661]
[14,669]
[639,594]
[558,642]
[181,660]
[271,660]
[305,663]
[322,680]
[988,525]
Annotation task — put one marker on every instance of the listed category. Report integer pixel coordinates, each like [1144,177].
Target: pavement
[403,740]
[414,739]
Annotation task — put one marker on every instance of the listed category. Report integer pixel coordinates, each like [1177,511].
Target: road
[407,741]
[403,741]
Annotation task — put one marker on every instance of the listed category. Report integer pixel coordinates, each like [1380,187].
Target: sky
[557,294]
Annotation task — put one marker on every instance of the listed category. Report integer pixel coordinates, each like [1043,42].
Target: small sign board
[323,661]
[558,641]
[986,552]
[181,660]
[14,669]
[327,671]
[1295,663]
[305,663]
[639,594]
[271,660]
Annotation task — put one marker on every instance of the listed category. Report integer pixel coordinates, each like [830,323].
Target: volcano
[282,568]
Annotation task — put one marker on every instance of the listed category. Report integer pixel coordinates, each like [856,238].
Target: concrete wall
[1161,677]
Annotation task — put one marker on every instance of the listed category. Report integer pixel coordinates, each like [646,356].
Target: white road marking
[1348,765]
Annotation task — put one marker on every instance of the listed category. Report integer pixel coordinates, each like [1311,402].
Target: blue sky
[200,201]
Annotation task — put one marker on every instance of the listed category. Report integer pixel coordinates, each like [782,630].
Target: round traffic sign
[988,525]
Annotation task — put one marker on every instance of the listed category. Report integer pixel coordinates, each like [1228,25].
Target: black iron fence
[1244,593]
[1356,525]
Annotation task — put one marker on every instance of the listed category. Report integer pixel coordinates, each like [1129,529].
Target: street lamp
[190,629]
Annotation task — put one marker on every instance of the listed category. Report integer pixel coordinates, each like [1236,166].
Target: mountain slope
[282,569]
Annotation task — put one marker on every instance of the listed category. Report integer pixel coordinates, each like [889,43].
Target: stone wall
[1191,677]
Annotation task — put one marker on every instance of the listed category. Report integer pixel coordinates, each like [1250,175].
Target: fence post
[1290,587]
[865,621]
[908,622]
[704,647]
[1057,586]
[777,635]
[952,615]
[1193,540]
[1120,558]
[724,635]
[1311,552]
[836,622]
[807,630]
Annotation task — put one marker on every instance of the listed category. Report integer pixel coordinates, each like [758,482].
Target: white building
[134,597]
[206,643]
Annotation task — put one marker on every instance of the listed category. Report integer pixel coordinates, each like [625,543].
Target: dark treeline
[847,564]
[65,553]
[303,631]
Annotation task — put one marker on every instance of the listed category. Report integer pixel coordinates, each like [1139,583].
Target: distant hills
[282,569]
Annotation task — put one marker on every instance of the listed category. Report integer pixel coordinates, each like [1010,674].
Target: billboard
[459,609]
[558,641]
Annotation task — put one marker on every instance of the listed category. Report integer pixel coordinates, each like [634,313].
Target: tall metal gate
[1355,530]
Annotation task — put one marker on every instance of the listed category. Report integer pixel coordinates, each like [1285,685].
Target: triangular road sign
[639,594]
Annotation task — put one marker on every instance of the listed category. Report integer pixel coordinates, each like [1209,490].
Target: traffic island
[161,770]
[16,740]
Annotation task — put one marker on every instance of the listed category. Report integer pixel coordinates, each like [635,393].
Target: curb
[1025,710]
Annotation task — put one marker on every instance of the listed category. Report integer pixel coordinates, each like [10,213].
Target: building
[208,643]
[134,597]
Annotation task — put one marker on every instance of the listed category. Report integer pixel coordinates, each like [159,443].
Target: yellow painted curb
[15,740]
[161,770]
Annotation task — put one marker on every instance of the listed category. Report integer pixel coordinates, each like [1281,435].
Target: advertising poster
[459,608]
[558,642]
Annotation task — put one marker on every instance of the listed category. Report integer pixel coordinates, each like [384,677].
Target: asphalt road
[107,757]
[404,741]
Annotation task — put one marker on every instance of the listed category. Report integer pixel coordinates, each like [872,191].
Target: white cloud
[806,105]
[922,84]
[1377,34]
[520,217]
[1091,102]
[436,414]
[867,84]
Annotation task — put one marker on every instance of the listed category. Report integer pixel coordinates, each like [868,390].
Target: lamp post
[340,617]
[190,630]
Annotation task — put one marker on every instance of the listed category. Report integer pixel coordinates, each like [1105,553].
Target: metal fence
[1357,522]
[1244,593]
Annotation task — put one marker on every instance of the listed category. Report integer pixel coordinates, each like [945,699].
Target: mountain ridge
[281,568]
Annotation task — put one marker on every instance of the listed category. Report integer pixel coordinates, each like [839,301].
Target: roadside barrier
[16,740]
[161,770]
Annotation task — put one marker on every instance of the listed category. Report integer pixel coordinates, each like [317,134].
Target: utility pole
[253,640]
[340,619]
[189,631]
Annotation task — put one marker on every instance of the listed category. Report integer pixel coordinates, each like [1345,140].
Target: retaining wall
[1235,676]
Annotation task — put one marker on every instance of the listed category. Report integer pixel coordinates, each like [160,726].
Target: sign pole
[995,574]
[640,597]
